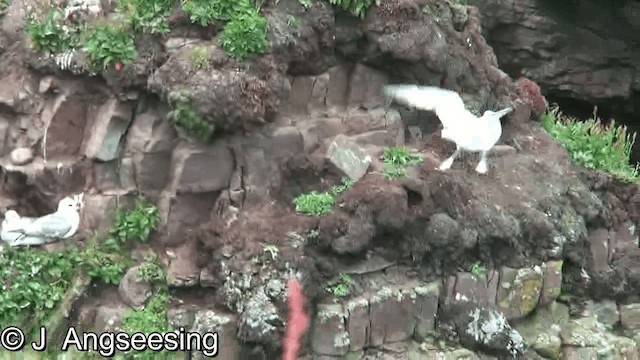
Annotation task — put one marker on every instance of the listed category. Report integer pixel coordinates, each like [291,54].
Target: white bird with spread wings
[59,225]
[467,131]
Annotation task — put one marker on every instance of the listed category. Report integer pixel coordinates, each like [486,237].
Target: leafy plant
[107,45]
[49,34]
[245,34]
[200,57]
[593,145]
[4,5]
[314,203]
[136,224]
[346,184]
[396,159]
[293,21]
[342,287]
[186,117]
[149,16]
[151,271]
[104,261]
[206,12]
[478,271]
[392,171]
[356,7]
[151,319]
[400,155]
[305,3]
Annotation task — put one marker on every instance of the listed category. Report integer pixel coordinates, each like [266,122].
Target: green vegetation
[153,318]
[147,16]
[108,44]
[112,42]
[245,34]
[34,282]
[356,7]
[305,3]
[314,203]
[478,271]
[4,5]
[317,204]
[200,58]
[593,145]
[245,31]
[136,224]
[396,159]
[185,116]
[48,34]
[342,287]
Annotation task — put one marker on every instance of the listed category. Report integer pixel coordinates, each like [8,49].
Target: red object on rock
[530,93]
[297,321]
[118,66]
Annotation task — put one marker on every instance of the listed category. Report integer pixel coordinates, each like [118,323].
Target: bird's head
[11,215]
[68,204]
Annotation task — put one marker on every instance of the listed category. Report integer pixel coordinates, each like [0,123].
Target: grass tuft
[605,148]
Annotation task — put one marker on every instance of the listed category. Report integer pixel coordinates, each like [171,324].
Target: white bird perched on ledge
[469,132]
[59,225]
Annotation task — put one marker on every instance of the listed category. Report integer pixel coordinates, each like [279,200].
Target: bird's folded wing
[52,225]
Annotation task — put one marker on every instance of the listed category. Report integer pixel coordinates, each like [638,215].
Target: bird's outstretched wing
[52,226]
[447,104]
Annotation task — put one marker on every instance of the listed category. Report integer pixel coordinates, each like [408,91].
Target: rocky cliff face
[582,53]
[466,258]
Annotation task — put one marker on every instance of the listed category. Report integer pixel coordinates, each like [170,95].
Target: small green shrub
[104,261]
[396,159]
[186,117]
[478,271]
[206,12]
[592,145]
[314,203]
[148,16]
[151,319]
[48,34]
[200,57]
[107,45]
[356,7]
[245,34]
[345,184]
[150,271]
[342,287]
[4,6]
[136,224]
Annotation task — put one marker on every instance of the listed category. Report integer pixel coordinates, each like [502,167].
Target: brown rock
[200,169]
[98,212]
[133,290]
[65,118]
[366,88]
[150,133]
[329,336]
[183,270]
[598,259]
[116,175]
[552,281]
[630,316]
[519,291]
[186,213]
[105,135]
[109,318]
